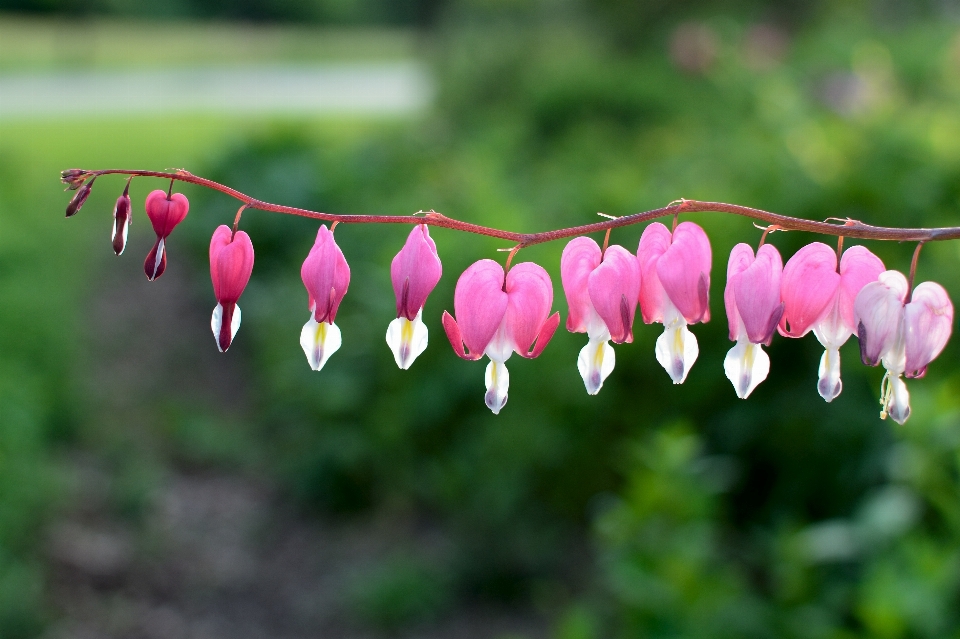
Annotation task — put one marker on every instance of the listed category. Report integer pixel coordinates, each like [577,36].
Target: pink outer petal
[326,276]
[654,242]
[165,214]
[741,257]
[684,272]
[757,295]
[479,303]
[858,267]
[927,323]
[415,272]
[580,257]
[614,288]
[452,330]
[878,311]
[221,238]
[546,334]
[529,299]
[234,266]
[808,288]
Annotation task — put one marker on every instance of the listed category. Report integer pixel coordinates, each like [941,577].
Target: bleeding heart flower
[326,276]
[904,336]
[415,272]
[753,305]
[817,297]
[121,221]
[231,263]
[497,317]
[165,212]
[674,290]
[602,292]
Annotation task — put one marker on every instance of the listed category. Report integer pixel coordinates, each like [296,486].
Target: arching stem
[913,271]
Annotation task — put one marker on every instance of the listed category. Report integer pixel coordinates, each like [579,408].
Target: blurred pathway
[333,89]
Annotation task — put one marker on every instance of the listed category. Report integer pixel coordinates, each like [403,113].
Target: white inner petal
[829,385]
[676,348]
[319,341]
[159,256]
[498,381]
[407,339]
[831,331]
[746,365]
[216,322]
[595,363]
[894,398]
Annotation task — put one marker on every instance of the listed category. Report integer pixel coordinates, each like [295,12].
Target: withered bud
[79,198]
[73,178]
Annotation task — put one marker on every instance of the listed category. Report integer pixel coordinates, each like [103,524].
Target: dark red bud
[73,178]
[78,199]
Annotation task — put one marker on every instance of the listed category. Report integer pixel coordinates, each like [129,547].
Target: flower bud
[121,221]
[79,198]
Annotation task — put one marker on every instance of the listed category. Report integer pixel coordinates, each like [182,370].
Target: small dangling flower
[165,212]
[904,336]
[816,296]
[753,305]
[497,317]
[231,263]
[121,221]
[674,290]
[602,292]
[414,272]
[326,276]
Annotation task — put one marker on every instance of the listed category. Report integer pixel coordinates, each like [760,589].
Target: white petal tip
[407,339]
[677,350]
[216,322]
[595,363]
[498,382]
[746,365]
[319,340]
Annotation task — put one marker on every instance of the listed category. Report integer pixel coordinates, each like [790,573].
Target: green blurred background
[151,487]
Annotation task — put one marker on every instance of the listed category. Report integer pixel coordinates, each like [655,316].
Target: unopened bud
[73,178]
[79,198]
[121,221]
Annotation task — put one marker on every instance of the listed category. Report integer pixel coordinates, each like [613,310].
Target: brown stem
[169,190]
[606,243]
[849,229]
[506,267]
[913,272]
[236,220]
[839,251]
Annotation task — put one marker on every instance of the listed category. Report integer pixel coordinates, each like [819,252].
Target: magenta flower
[752,301]
[905,337]
[816,296]
[497,317]
[602,292]
[326,276]
[164,213]
[674,290]
[231,263]
[121,221]
[415,272]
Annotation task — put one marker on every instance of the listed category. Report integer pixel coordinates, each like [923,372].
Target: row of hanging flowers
[500,311]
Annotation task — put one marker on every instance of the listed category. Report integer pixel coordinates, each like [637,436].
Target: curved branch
[850,228]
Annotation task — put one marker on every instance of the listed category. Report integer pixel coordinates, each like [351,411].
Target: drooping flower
[752,301]
[80,197]
[326,276]
[165,212]
[674,290]
[231,263]
[816,296]
[414,272]
[904,336]
[602,292]
[121,221]
[497,317]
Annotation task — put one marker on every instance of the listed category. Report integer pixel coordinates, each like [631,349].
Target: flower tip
[319,340]
[78,199]
[498,382]
[407,339]
[156,262]
[224,323]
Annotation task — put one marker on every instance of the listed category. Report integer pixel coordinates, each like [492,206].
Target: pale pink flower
[414,272]
[326,276]
[497,317]
[816,296]
[165,212]
[904,337]
[752,301]
[231,263]
[674,290]
[602,291]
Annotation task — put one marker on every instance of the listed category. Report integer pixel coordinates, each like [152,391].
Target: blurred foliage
[780,516]
[651,510]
